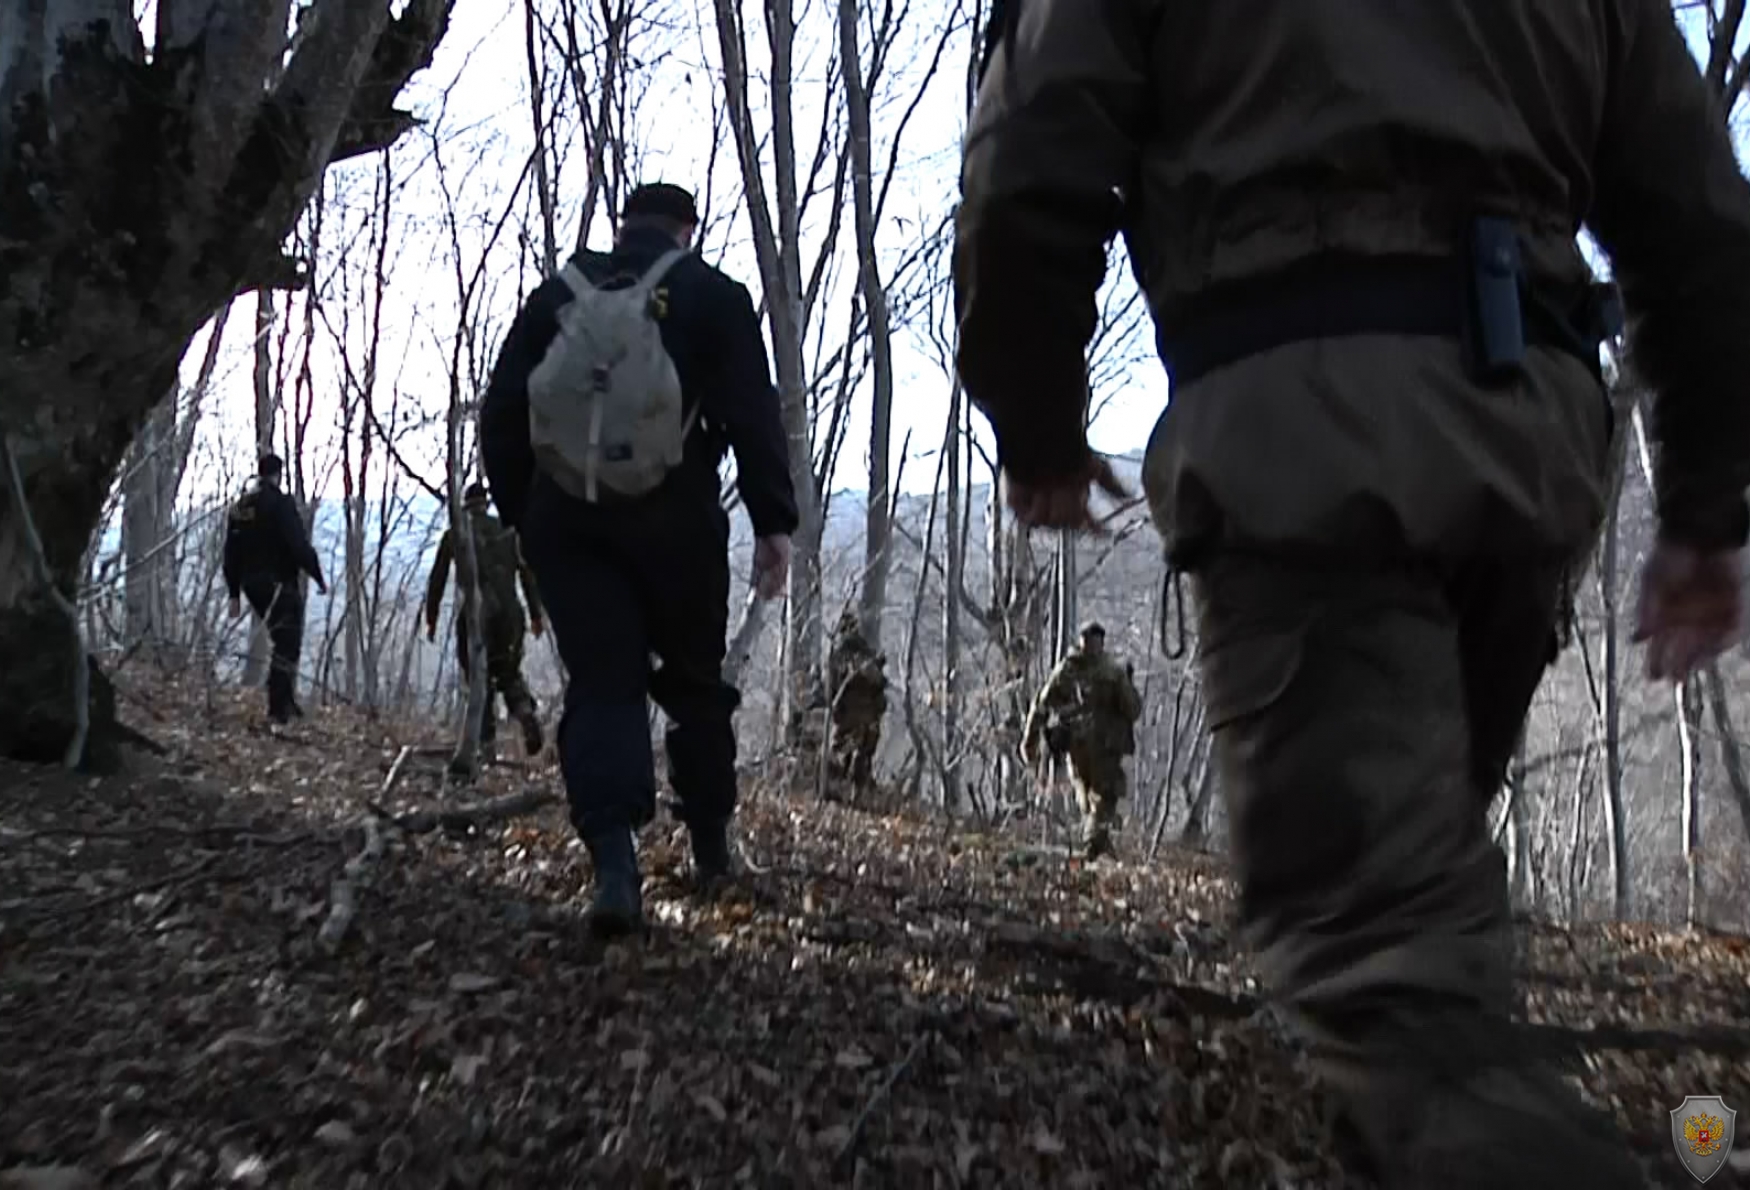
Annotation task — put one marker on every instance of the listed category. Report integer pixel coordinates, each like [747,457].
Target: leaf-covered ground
[880,1001]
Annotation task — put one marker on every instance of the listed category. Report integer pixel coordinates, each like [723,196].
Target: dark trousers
[622,583]
[281,607]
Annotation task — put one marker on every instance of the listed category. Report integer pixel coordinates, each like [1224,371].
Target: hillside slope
[880,1002]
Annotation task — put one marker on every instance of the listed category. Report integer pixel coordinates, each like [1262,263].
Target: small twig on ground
[422,822]
[177,879]
[395,769]
[242,834]
[75,754]
[343,893]
[879,1096]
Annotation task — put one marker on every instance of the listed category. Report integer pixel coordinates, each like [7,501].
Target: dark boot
[618,907]
[712,861]
[533,738]
[1500,1129]
[1096,841]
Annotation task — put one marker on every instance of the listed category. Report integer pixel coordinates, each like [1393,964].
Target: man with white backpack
[622,382]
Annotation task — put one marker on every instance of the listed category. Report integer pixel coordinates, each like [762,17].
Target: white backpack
[605,405]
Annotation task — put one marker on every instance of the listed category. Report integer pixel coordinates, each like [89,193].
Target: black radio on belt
[1495,326]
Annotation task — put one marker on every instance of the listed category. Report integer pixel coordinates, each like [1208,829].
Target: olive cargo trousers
[1363,721]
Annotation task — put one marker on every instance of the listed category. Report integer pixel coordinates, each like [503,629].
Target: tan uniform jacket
[1230,140]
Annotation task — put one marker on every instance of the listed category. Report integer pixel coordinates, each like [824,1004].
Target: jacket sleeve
[295,539]
[1054,139]
[439,579]
[1672,210]
[742,402]
[1129,701]
[505,453]
[232,564]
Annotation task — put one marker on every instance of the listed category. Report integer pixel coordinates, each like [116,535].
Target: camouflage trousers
[854,741]
[1362,723]
[1098,779]
[504,673]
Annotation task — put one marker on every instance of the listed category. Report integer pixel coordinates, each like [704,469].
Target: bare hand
[771,565]
[1063,504]
[1691,608]
[236,607]
[537,625]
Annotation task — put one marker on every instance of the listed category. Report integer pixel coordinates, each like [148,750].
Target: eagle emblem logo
[1702,1130]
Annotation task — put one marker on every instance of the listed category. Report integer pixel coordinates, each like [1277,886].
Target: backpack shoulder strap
[653,276]
[574,279]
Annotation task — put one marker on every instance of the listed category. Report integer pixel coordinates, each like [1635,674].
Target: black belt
[1332,297]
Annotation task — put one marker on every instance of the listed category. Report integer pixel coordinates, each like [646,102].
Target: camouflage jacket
[1086,700]
[501,567]
[855,674]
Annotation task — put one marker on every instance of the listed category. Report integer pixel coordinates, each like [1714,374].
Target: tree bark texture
[138,197]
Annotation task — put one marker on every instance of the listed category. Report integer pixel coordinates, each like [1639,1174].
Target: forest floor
[878,1001]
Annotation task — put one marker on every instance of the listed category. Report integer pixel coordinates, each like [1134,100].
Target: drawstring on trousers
[1173,593]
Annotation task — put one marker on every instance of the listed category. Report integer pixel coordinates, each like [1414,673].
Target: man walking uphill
[1388,450]
[265,549]
[618,389]
[500,565]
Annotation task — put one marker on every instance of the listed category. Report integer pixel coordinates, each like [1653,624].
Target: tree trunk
[777,245]
[267,402]
[1731,759]
[1609,587]
[954,584]
[148,503]
[181,181]
[1196,832]
[1519,876]
[1068,606]
[878,527]
[1688,710]
[543,183]
[1577,840]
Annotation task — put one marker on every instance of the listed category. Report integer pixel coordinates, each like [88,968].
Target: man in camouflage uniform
[859,701]
[1388,451]
[1087,710]
[501,566]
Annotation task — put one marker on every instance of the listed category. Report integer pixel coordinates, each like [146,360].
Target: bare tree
[205,205]
[151,478]
[777,226]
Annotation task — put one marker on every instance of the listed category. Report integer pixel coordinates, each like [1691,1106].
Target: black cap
[663,201]
[272,466]
[474,492]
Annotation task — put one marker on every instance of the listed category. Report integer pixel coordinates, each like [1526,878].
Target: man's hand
[1691,608]
[431,631]
[771,565]
[236,607]
[537,625]
[1063,504]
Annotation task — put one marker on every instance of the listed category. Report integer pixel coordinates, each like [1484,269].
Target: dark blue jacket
[265,540]
[713,335]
